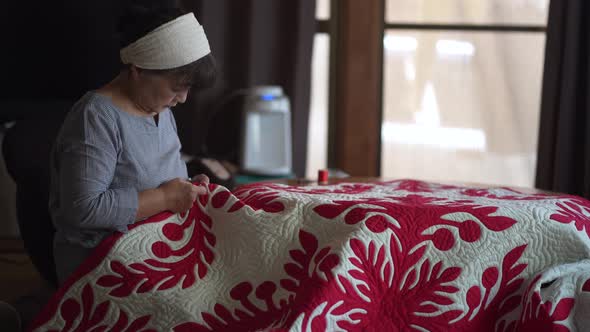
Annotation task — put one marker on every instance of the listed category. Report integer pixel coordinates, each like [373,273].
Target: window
[461,90]
[322,12]
[480,12]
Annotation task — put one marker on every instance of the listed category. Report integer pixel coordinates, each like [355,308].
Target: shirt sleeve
[87,159]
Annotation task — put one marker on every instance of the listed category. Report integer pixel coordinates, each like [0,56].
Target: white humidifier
[266,145]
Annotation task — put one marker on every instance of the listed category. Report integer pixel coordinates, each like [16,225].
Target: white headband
[171,45]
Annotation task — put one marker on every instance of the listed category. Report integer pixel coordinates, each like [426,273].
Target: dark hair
[141,17]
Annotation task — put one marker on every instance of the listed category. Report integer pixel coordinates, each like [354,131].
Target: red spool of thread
[323,176]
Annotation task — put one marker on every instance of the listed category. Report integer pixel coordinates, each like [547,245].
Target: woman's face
[154,93]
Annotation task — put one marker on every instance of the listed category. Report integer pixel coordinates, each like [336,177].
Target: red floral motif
[417,186]
[251,319]
[544,317]
[485,309]
[311,273]
[405,295]
[397,296]
[256,197]
[415,215]
[93,318]
[574,210]
[392,286]
[487,193]
[418,200]
[151,272]
[264,197]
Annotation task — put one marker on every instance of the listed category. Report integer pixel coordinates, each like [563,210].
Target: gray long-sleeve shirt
[102,158]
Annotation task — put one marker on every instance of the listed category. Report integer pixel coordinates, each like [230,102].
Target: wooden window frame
[354,134]
[356,31]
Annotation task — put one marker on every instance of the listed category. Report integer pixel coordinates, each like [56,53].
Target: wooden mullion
[358,97]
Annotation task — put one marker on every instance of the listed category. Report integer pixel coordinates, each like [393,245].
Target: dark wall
[57,49]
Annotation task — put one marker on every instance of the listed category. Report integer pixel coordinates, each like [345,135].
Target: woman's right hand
[180,194]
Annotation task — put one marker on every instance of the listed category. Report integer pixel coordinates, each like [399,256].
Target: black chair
[26,149]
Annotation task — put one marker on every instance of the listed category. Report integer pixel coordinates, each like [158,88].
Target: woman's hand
[180,194]
[177,196]
[201,179]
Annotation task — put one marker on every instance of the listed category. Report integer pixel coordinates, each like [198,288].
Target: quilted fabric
[396,256]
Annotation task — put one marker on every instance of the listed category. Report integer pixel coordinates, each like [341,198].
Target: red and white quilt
[395,256]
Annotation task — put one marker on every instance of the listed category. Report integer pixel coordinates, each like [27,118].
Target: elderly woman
[117,157]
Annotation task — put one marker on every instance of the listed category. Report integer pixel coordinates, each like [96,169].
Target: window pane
[468,11]
[462,106]
[322,10]
[317,134]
